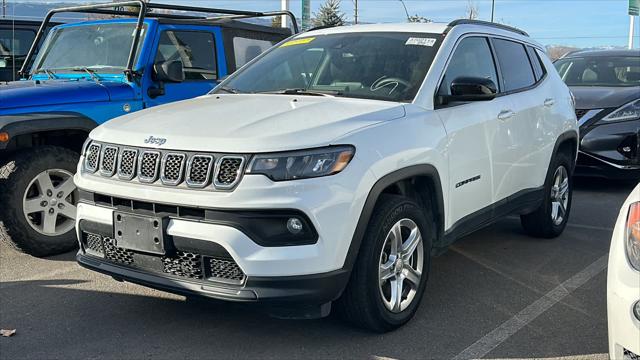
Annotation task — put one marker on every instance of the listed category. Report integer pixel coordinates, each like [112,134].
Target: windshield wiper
[49,73]
[303,92]
[91,73]
[229,90]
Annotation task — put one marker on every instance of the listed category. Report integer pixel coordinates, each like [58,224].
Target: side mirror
[467,88]
[169,71]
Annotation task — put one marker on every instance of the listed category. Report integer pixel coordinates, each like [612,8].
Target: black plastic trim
[313,289]
[22,124]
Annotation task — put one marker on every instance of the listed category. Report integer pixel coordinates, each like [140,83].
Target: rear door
[471,128]
[196,48]
[520,130]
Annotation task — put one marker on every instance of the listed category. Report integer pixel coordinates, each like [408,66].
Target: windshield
[383,66]
[15,43]
[600,71]
[98,47]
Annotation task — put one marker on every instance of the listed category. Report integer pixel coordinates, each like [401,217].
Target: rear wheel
[550,219]
[40,199]
[390,274]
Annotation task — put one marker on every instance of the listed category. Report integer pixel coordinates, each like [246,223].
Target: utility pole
[493,8]
[355,10]
[284,4]
[4,8]
[632,21]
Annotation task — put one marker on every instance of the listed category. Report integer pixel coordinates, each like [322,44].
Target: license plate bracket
[139,233]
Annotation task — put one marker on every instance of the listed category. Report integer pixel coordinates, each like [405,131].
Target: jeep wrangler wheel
[550,219]
[392,268]
[40,200]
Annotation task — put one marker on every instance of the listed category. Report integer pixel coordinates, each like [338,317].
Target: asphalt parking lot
[495,294]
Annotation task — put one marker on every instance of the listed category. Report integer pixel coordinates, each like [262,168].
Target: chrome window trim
[180,172]
[145,179]
[188,180]
[216,172]
[134,166]
[115,161]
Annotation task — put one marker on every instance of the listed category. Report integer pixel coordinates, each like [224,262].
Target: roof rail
[144,10]
[487,23]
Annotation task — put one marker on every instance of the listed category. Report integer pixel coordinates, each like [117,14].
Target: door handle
[505,115]
[549,102]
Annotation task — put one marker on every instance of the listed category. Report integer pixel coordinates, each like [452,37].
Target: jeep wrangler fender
[16,126]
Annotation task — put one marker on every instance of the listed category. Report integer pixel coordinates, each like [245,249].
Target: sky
[580,23]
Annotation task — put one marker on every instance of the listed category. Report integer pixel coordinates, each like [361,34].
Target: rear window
[514,65]
[600,71]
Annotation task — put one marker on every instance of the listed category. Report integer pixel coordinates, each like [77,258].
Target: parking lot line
[503,332]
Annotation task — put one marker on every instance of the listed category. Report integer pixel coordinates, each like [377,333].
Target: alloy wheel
[49,203]
[559,195]
[401,265]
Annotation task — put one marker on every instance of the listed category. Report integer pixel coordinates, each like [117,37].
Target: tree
[329,14]
[418,19]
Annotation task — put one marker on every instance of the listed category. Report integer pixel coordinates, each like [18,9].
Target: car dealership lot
[496,293]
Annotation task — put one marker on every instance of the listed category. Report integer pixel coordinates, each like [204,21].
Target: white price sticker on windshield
[421,41]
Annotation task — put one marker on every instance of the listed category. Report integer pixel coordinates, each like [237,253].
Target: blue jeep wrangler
[140,55]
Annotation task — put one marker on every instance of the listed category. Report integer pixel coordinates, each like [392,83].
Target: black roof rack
[145,10]
[487,23]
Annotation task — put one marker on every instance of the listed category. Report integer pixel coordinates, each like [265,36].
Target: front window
[382,66]
[100,47]
[614,71]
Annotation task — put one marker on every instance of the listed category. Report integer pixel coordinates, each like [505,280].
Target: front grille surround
[228,171]
[172,170]
[108,160]
[127,163]
[92,157]
[149,166]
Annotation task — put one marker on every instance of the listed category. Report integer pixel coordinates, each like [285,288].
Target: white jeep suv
[331,167]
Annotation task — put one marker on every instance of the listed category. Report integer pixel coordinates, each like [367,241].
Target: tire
[362,301]
[543,223]
[22,189]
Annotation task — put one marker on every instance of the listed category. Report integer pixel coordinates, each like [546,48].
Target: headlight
[302,164]
[632,236]
[629,111]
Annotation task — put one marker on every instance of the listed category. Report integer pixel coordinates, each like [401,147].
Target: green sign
[634,7]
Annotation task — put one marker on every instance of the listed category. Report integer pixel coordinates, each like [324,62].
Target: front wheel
[39,201]
[390,274]
[550,219]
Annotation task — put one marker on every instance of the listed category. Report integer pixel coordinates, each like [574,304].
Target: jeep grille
[108,161]
[92,157]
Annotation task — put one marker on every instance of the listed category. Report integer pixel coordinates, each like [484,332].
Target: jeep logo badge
[155,140]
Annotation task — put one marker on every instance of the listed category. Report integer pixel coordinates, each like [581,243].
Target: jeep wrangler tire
[39,200]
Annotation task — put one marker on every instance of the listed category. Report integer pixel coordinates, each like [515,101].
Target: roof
[434,28]
[613,52]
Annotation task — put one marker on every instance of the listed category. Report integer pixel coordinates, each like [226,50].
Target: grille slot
[199,170]
[93,243]
[172,168]
[92,157]
[117,254]
[185,264]
[127,164]
[224,269]
[581,112]
[148,166]
[228,171]
[108,161]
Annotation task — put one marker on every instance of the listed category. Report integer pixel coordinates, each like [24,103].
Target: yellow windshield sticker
[298,42]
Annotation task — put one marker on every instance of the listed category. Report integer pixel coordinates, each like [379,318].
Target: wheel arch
[68,130]
[415,181]
[567,141]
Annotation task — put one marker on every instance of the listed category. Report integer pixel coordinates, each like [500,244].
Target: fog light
[294,225]
[636,310]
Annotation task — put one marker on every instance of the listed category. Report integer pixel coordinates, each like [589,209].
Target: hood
[588,97]
[247,123]
[27,93]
